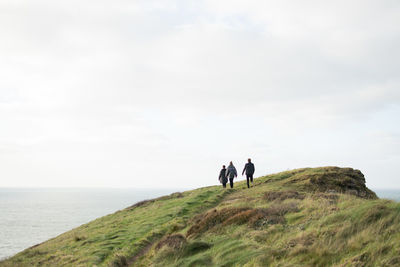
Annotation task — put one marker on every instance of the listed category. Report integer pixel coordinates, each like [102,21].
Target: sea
[29,216]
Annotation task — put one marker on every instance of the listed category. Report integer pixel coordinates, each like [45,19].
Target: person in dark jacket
[222,177]
[231,173]
[249,169]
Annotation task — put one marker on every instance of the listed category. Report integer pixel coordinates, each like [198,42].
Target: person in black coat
[249,169]
[222,176]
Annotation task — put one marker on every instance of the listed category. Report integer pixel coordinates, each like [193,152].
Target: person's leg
[231,182]
[251,178]
[224,185]
[247,178]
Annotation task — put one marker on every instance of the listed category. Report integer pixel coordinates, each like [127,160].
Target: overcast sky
[162,93]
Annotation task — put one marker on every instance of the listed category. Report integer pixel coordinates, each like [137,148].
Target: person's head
[231,163]
[223,166]
[249,160]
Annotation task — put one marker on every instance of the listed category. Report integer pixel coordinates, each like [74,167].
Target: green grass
[305,217]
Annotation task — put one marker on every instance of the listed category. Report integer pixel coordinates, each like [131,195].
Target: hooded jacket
[231,171]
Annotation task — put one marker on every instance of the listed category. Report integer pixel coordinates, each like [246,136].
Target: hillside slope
[306,217]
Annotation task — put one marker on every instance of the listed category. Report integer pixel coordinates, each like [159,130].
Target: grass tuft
[119,260]
[195,247]
[175,241]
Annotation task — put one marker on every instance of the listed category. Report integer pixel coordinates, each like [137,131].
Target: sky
[161,94]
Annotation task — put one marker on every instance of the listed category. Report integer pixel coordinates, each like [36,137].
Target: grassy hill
[305,217]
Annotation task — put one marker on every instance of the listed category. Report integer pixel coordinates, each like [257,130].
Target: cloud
[155,88]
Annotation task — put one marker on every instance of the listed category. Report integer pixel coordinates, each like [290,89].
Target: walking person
[222,177]
[249,169]
[231,173]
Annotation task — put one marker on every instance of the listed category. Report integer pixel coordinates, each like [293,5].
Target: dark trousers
[224,185]
[231,182]
[249,177]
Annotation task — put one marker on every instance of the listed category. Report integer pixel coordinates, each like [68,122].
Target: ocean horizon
[30,216]
[392,194]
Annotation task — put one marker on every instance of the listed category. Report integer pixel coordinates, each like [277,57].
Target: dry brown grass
[206,221]
[282,195]
[304,240]
[253,217]
[331,197]
[175,241]
[283,208]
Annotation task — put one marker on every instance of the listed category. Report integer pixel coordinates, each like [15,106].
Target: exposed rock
[334,180]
